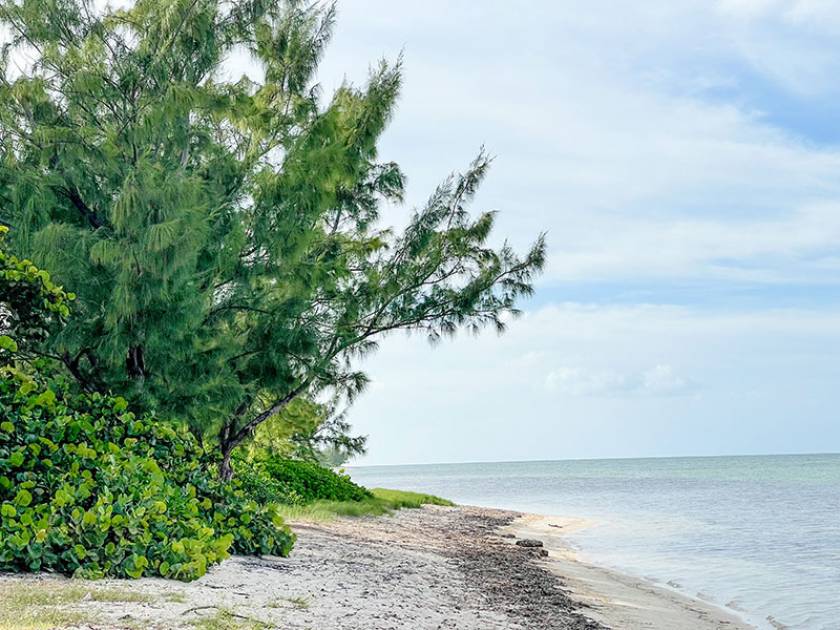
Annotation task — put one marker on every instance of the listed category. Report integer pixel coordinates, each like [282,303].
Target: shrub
[89,489]
[263,488]
[30,304]
[312,482]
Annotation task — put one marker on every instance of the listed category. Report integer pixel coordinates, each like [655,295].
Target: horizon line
[592,459]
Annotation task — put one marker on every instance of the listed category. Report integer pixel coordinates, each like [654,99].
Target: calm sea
[760,535]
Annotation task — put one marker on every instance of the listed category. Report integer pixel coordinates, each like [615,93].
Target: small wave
[736,606]
[776,624]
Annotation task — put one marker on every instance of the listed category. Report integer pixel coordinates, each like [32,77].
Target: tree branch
[83,208]
[278,406]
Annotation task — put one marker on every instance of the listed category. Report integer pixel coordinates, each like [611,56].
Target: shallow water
[760,535]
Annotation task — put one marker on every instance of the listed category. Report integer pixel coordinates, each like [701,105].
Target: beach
[429,568]
[755,536]
[615,599]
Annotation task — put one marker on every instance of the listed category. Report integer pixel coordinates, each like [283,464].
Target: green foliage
[398,499]
[312,482]
[276,437]
[30,304]
[263,488]
[89,489]
[306,430]
[223,235]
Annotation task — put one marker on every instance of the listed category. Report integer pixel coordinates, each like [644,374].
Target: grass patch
[402,499]
[383,502]
[39,606]
[43,619]
[325,511]
[224,619]
[299,603]
[178,597]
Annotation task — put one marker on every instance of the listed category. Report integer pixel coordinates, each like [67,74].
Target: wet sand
[612,598]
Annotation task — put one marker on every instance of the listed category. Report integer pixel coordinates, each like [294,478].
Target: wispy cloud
[644,138]
[660,380]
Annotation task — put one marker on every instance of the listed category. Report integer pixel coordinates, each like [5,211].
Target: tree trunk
[227,445]
[230,438]
[76,371]
[135,363]
[225,469]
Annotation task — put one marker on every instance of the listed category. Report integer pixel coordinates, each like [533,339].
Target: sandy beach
[431,568]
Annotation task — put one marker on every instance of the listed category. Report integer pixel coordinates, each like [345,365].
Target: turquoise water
[760,535]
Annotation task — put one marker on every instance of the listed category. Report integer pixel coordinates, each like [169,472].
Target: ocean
[759,535]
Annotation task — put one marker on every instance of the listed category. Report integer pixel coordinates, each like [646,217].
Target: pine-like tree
[222,235]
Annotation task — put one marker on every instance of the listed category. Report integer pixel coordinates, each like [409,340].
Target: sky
[684,159]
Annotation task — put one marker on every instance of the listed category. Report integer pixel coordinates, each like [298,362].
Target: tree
[222,236]
[306,430]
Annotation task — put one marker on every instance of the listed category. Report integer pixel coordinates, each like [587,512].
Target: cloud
[821,15]
[664,381]
[800,247]
[569,380]
[790,42]
[612,132]
[581,382]
[660,380]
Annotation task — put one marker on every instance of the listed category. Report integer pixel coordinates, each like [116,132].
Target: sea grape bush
[262,487]
[89,489]
[312,482]
[29,304]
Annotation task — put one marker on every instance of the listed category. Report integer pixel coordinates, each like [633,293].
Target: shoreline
[615,598]
[428,568]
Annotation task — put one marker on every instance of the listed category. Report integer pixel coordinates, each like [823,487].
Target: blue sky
[684,158]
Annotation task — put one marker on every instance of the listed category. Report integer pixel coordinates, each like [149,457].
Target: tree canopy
[223,235]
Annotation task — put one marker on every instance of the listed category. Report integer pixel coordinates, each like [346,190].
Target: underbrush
[307,482]
[91,490]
